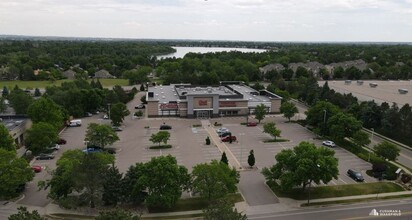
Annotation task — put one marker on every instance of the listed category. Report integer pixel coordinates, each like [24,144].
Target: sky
[246,20]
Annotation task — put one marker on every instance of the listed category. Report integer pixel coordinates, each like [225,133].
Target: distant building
[69,74]
[103,74]
[274,66]
[17,126]
[228,99]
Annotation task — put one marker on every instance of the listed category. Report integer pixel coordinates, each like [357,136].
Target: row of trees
[160,182]
[14,171]
[18,59]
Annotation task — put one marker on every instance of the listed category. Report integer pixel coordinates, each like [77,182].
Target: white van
[75,123]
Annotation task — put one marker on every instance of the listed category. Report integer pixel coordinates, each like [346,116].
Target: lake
[182,51]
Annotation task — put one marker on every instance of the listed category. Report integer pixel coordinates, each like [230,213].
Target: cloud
[212,19]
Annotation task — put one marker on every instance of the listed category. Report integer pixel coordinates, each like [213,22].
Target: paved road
[405,157]
[356,211]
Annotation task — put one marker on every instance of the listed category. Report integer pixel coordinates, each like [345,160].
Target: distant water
[182,51]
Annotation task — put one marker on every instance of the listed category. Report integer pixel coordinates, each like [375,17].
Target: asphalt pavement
[354,211]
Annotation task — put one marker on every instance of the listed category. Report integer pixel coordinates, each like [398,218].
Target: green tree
[90,173]
[361,138]
[143,99]
[23,214]
[251,158]
[37,92]
[5,91]
[271,129]
[46,110]
[20,101]
[118,112]
[62,182]
[133,189]
[288,109]
[159,137]
[319,114]
[260,112]
[100,135]
[342,125]
[387,150]
[3,106]
[302,166]
[6,141]
[164,180]
[14,172]
[138,114]
[207,140]
[118,214]
[142,87]
[214,180]
[112,186]
[41,136]
[224,159]
[222,210]
[137,76]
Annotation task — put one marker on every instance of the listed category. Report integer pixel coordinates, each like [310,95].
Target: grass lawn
[339,190]
[196,203]
[44,84]
[161,146]
[276,140]
[355,200]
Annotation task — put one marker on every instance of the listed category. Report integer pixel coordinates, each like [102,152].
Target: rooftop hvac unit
[226,91]
[373,85]
[197,89]
[402,91]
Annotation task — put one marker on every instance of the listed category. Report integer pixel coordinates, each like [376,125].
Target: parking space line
[342,180]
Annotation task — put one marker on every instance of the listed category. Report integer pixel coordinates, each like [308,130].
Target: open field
[386,91]
[44,84]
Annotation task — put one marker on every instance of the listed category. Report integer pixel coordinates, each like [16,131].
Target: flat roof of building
[174,92]
[379,91]
[11,122]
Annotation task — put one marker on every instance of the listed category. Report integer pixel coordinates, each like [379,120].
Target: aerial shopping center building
[230,98]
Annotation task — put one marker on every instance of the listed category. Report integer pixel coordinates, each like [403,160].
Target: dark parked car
[355,175]
[165,127]
[251,124]
[45,157]
[227,138]
[92,150]
[141,106]
[61,141]
[225,134]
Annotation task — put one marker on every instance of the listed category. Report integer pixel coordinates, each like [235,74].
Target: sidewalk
[221,145]
[379,195]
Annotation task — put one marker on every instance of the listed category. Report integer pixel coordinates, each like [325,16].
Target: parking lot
[190,149]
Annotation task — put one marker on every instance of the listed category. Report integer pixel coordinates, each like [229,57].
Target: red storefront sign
[202,102]
[227,104]
[168,106]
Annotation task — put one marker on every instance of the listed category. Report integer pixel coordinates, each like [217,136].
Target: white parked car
[105,117]
[329,143]
[221,130]
[55,147]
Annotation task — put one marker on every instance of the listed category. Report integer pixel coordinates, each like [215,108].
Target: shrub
[208,141]
[406,178]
